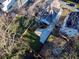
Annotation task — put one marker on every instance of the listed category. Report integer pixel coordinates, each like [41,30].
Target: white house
[9,5]
[1,1]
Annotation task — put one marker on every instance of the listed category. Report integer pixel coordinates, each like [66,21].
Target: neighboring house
[70,26]
[9,5]
[1,1]
[23,2]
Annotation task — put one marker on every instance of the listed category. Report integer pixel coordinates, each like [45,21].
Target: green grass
[50,38]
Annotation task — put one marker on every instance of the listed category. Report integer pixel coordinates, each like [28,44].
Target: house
[21,3]
[1,1]
[9,5]
[70,26]
[50,20]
